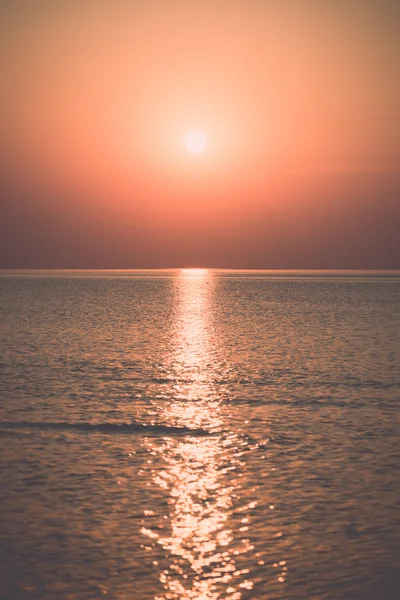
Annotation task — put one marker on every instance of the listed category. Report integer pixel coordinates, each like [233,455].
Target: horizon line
[192,268]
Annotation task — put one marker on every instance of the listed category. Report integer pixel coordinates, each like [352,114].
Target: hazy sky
[298,100]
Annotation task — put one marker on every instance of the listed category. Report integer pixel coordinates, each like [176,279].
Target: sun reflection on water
[194,272]
[199,470]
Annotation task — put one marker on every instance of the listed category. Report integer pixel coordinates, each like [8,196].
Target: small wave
[104,428]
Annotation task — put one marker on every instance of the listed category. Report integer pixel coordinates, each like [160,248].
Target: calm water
[204,436]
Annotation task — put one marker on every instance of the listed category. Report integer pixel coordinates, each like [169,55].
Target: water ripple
[105,428]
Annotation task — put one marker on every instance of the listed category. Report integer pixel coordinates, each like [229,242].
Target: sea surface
[199,434]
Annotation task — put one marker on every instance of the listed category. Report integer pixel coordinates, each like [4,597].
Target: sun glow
[195,142]
[194,272]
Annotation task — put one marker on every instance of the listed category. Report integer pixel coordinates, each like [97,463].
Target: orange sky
[298,101]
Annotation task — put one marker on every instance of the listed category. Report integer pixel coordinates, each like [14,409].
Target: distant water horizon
[210,270]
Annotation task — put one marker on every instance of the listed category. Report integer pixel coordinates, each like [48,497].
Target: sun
[195,142]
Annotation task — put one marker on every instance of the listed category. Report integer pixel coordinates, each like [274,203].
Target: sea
[199,434]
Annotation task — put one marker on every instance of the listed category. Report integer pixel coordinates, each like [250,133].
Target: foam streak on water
[199,435]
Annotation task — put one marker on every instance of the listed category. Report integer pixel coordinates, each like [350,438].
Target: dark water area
[204,435]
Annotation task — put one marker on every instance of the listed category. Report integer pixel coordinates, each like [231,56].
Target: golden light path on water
[199,470]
